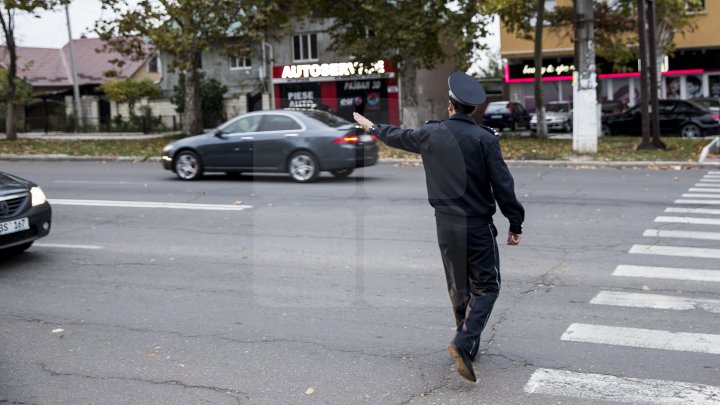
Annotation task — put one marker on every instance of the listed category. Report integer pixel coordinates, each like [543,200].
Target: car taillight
[716,117]
[347,139]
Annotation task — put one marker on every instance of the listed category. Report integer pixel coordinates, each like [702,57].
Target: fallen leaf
[646,288]
[58,330]
[309,391]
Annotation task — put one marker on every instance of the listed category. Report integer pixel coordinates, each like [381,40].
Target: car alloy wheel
[606,130]
[188,166]
[690,131]
[303,167]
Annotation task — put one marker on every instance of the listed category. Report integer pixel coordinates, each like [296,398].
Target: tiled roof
[50,67]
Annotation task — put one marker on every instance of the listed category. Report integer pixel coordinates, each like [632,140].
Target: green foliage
[413,32]
[211,94]
[23,91]
[130,91]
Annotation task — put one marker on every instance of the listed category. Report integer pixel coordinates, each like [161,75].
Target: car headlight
[38,197]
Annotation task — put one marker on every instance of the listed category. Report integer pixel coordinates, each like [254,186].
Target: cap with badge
[466,90]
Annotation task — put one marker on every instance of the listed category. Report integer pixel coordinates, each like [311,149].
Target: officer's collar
[462,117]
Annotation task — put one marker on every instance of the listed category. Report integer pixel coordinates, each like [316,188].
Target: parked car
[558,116]
[25,214]
[506,114]
[299,142]
[677,117]
[613,106]
[712,103]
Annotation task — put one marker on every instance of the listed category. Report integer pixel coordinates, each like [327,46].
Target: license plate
[496,117]
[13,226]
[365,138]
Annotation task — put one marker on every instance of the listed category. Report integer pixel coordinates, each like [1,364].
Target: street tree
[130,91]
[183,29]
[8,9]
[414,34]
[526,18]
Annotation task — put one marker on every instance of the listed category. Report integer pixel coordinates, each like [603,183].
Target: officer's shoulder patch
[490,129]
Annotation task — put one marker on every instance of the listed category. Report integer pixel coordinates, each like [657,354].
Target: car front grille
[12,204]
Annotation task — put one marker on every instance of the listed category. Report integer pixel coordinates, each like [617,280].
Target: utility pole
[76,88]
[643,42]
[585,110]
[652,45]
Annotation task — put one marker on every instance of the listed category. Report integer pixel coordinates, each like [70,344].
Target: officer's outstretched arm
[405,139]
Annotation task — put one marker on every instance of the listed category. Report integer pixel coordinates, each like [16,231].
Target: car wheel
[512,127]
[568,126]
[188,165]
[690,131]
[303,167]
[341,173]
[605,130]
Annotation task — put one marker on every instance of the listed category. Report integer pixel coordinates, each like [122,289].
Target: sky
[50,31]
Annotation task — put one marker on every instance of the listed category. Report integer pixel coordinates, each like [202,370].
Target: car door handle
[247,138]
[291,135]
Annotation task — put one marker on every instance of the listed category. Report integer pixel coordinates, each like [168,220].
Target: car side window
[667,108]
[277,122]
[682,108]
[245,124]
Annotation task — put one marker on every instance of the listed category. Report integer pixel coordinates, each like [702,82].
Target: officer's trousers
[472,270]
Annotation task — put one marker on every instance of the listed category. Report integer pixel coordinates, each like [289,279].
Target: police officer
[465,175]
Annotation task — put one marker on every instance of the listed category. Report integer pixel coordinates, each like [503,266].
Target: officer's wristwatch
[374,129]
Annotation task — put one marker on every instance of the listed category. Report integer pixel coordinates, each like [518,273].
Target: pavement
[709,158]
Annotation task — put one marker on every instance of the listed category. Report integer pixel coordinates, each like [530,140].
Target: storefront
[685,75]
[341,88]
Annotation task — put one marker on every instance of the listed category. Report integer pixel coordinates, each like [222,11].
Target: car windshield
[326,118]
[496,107]
[557,108]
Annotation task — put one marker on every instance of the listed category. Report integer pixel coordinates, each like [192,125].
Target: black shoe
[462,362]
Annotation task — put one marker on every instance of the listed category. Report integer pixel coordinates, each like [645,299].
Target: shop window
[240,63]
[305,47]
[714,82]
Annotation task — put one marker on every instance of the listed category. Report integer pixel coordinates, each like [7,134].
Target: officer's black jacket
[464,168]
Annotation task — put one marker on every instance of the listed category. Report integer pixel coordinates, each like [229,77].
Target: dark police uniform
[465,174]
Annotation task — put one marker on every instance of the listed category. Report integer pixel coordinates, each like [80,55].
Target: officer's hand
[364,122]
[514,239]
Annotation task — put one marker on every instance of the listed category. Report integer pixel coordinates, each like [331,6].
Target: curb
[675,165]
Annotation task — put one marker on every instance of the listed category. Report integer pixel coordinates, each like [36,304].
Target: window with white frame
[305,47]
[695,6]
[240,63]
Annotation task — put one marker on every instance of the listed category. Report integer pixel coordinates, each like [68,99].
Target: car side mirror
[218,133]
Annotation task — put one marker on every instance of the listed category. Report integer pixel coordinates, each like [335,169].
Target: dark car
[677,117]
[299,142]
[25,214]
[506,114]
[712,103]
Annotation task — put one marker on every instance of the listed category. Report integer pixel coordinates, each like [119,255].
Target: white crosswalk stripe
[655,301]
[668,273]
[704,190]
[602,387]
[679,210]
[706,180]
[698,195]
[675,251]
[665,233]
[688,220]
[698,202]
[643,338]
[706,185]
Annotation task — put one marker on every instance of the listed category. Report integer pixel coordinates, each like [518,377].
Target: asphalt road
[263,291]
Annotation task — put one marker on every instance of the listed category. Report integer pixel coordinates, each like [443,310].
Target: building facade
[692,71]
